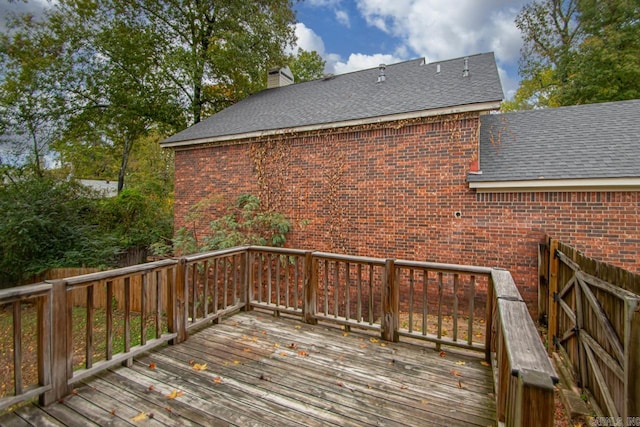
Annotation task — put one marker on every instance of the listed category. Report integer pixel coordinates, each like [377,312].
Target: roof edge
[553,185]
[483,106]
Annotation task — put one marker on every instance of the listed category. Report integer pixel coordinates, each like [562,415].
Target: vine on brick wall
[272,160]
[337,227]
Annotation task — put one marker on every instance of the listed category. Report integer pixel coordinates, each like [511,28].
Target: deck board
[263,370]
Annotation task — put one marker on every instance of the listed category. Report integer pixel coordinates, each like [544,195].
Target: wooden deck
[264,370]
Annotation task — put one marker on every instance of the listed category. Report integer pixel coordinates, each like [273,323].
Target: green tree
[48,223]
[306,65]
[578,51]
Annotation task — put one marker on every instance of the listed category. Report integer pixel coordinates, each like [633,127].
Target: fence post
[61,350]
[390,303]
[310,288]
[553,291]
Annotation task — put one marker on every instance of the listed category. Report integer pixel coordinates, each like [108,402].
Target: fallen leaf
[383,344]
[254,339]
[339,383]
[345,334]
[423,401]
[485,363]
[298,327]
[236,362]
[276,345]
[283,353]
[140,417]
[175,393]
[152,365]
[374,340]
[246,350]
[459,384]
[460,362]
[303,353]
[363,345]
[112,412]
[293,346]
[74,391]
[151,388]
[191,362]
[263,332]
[443,354]
[168,409]
[403,387]
[200,367]
[217,380]
[456,373]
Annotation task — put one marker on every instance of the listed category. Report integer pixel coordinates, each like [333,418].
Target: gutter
[553,185]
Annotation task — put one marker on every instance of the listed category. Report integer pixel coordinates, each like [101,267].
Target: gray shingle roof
[410,86]
[582,141]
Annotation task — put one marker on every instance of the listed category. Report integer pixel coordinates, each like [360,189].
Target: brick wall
[394,191]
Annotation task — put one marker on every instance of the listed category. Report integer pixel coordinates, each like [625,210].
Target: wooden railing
[469,307]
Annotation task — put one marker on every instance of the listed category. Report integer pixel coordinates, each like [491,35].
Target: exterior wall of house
[399,190]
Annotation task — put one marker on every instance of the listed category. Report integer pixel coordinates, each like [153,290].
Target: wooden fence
[363,292]
[593,312]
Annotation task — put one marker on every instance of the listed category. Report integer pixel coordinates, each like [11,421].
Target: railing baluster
[456,284]
[215,285]
[278,284]
[143,308]
[194,289]
[269,262]
[234,269]
[89,329]
[359,284]
[439,309]
[472,297]
[17,347]
[371,314]
[326,287]
[425,301]
[158,286]
[411,291]
[127,314]
[109,337]
[296,279]
[225,284]
[336,280]
[286,282]
[206,289]
[260,268]
[347,279]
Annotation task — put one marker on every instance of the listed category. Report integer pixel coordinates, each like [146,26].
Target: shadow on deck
[264,370]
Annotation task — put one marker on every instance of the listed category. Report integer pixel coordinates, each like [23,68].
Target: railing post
[178,302]
[553,290]
[310,288]
[61,351]
[534,400]
[390,303]
[489,338]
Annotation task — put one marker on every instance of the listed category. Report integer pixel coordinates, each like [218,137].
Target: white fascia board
[548,185]
[481,107]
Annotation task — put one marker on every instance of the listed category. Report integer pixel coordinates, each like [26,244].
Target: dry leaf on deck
[456,373]
[460,362]
[443,354]
[293,346]
[485,363]
[140,417]
[303,353]
[200,367]
[175,393]
[152,365]
[374,340]
[217,380]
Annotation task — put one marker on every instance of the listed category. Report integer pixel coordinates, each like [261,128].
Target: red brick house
[406,161]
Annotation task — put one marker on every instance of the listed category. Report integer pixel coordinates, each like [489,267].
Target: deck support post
[310,288]
[61,349]
[390,304]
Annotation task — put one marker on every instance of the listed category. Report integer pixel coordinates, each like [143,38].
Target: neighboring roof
[409,87]
[591,145]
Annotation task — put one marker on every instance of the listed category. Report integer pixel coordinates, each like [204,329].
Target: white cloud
[308,39]
[359,61]
[343,18]
[437,30]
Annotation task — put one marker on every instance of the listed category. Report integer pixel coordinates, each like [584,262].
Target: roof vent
[437,68]
[381,76]
[278,77]
[465,71]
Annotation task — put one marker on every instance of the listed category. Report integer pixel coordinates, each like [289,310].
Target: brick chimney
[278,77]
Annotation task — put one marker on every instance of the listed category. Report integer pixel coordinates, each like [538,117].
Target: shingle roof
[583,141]
[410,86]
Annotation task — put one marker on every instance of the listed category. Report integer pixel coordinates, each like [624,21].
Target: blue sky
[356,34]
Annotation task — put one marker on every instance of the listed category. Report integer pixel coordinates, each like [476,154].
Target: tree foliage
[243,223]
[578,51]
[306,65]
